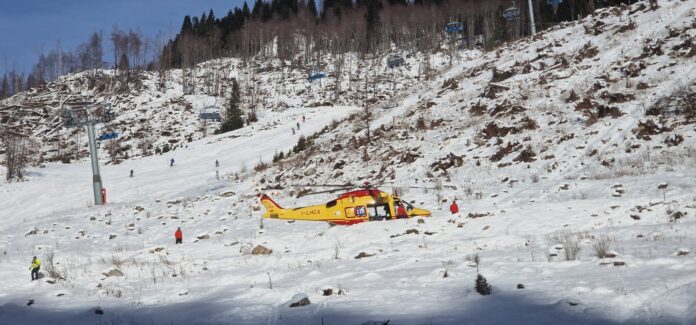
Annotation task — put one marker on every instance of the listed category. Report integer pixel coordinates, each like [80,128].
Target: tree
[233,114]
[18,150]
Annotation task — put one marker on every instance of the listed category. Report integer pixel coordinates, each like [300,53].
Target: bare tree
[18,152]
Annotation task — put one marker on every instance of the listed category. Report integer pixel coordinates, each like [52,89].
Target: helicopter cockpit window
[331,204]
[407,206]
[379,211]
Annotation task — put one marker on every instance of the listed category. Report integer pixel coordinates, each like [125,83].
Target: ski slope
[535,227]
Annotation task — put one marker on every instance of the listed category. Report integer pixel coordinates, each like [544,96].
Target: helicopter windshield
[407,206]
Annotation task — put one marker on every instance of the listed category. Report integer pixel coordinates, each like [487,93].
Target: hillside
[570,154]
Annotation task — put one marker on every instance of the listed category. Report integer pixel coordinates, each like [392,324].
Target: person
[453,207]
[217,163]
[131,173]
[298,125]
[293,131]
[178,236]
[303,119]
[400,211]
[35,266]
[171,163]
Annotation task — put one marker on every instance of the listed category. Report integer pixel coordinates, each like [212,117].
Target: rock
[362,255]
[139,208]
[30,302]
[611,254]
[520,286]
[412,231]
[327,291]
[227,194]
[299,300]
[261,250]
[202,237]
[619,263]
[429,233]
[113,272]
[635,217]
[112,236]
[683,252]
[98,311]
[183,293]
[92,218]
[31,232]
[421,221]
[310,171]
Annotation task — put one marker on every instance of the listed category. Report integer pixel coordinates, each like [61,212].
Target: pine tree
[233,114]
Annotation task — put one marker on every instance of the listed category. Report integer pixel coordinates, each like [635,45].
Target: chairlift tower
[88,115]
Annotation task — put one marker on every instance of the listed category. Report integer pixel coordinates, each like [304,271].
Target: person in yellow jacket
[35,265]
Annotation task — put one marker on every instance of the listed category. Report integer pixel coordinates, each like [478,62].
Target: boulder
[261,250]
[113,272]
[299,300]
[362,255]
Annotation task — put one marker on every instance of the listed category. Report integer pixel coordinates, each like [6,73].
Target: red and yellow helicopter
[355,206]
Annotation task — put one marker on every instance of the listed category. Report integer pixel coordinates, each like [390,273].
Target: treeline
[129,48]
[286,28]
[290,29]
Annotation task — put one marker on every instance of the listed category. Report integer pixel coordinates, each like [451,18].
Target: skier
[131,173]
[217,163]
[453,207]
[293,131]
[171,163]
[298,125]
[178,236]
[35,265]
[303,118]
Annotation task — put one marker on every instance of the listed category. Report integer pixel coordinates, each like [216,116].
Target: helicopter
[357,205]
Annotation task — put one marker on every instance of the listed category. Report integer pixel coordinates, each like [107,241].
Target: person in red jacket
[454,208]
[178,236]
[400,211]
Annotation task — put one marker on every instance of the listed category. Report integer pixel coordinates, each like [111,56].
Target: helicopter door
[379,211]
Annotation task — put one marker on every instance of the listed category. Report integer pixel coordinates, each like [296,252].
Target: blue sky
[29,26]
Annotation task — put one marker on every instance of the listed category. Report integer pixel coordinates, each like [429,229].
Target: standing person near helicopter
[454,208]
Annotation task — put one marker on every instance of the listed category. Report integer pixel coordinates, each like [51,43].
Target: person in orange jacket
[454,208]
[178,235]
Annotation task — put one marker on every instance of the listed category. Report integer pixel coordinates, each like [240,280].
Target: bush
[482,286]
[601,246]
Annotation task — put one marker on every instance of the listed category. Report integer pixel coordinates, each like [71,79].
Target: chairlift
[108,135]
[211,112]
[512,12]
[395,60]
[454,26]
[316,76]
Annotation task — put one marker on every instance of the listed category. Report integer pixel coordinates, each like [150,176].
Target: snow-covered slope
[580,178]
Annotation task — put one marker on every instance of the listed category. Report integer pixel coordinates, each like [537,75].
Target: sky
[29,27]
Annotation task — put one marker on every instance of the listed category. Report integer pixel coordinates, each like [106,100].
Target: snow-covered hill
[570,154]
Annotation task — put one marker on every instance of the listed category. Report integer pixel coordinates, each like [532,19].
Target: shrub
[482,286]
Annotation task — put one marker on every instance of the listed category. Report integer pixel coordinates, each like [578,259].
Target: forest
[304,32]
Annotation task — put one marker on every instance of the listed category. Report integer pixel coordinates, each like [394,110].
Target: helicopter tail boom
[272,208]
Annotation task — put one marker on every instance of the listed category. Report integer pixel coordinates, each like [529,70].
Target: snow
[520,213]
